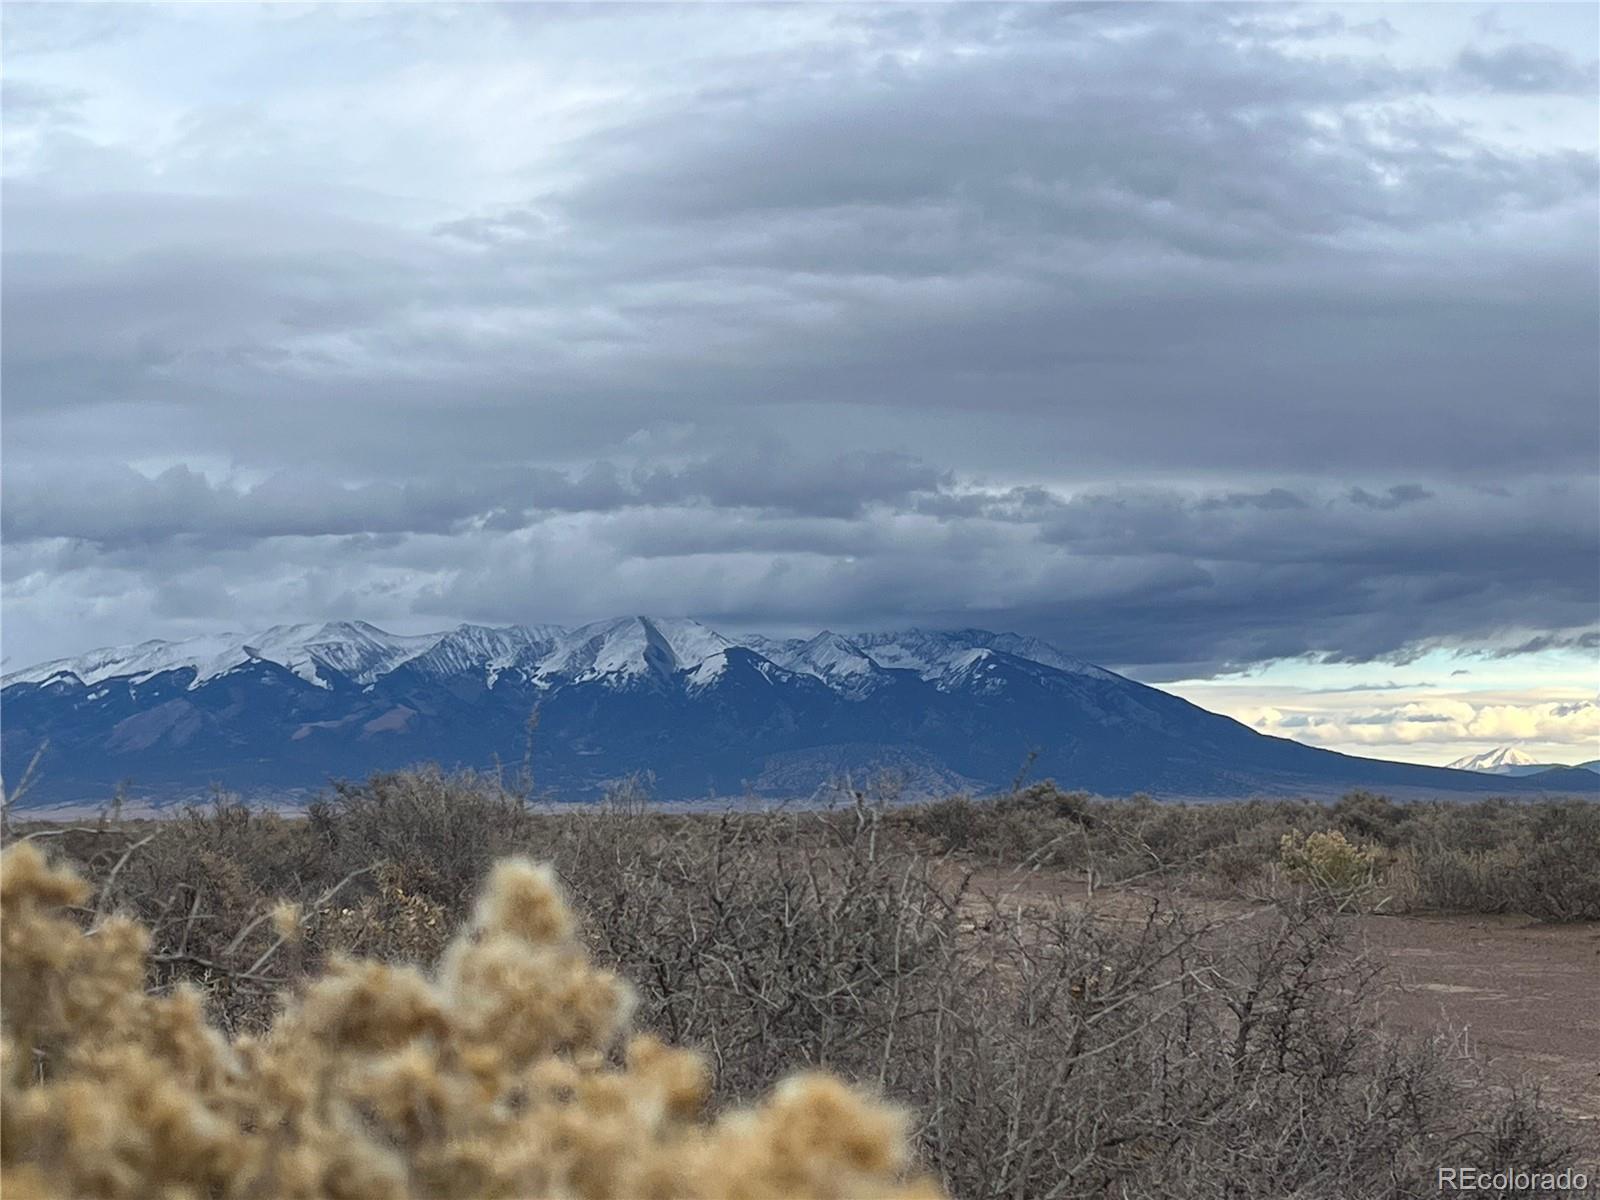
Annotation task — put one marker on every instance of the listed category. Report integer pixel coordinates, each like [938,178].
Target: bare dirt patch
[1525,995]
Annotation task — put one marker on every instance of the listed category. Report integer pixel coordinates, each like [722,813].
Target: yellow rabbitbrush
[491,1078]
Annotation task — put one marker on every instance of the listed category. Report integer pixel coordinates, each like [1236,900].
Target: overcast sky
[1247,350]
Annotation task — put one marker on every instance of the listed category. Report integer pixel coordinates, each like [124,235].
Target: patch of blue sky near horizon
[1442,705]
[1422,35]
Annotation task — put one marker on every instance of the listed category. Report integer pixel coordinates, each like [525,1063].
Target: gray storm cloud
[1189,336]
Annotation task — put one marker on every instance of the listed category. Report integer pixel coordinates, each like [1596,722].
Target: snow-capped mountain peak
[484,650]
[1501,758]
[933,653]
[355,649]
[708,671]
[629,648]
[967,659]
[690,642]
[1037,650]
[837,661]
[830,656]
[828,649]
[144,659]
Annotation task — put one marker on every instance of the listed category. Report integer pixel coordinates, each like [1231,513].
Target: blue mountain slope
[706,714]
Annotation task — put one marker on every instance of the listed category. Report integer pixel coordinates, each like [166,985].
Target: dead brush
[506,1072]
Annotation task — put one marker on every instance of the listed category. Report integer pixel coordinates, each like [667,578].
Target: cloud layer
[1189,336]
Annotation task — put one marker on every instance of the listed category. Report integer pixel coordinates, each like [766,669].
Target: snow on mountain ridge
[708,671]
[831,654]
[621,649]
[485,649]
[628,648]
[834,660]
[354,648]
[144,658]
[1036,650]
[1498,759]
[931,653]
[691,642]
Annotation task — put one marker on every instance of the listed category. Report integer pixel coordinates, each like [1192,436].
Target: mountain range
[281,712]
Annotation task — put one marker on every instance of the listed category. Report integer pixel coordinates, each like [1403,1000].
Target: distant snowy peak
[741,662]
[354,649]
[1035,650]
[829,654]
[934,653]
[987,671]
[966,660]
[690,642]
[859,663]
[146,658]
[927,654]
[971,670]
[1496,761]
[835,660]
[629,648]
[708,671]
[485,651]
[361,652]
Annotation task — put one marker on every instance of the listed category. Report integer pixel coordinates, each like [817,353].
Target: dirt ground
[1524,997]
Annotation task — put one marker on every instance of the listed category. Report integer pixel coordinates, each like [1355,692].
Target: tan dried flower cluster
[495,1076]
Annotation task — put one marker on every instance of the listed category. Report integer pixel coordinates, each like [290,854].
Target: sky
[1247,350]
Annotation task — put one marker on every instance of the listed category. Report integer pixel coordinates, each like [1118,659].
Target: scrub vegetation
[390,996]
[1489,856]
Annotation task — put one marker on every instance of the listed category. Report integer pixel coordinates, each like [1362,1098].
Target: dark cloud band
[1187,336]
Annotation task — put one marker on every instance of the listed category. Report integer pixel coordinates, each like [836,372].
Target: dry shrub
[1046,1049]
[395,922]
[1558,879]
[1115,839]
[953,821]
[1450,879]
[440,831]
[502,1073]
[1327,859]
[1494,855]
[767,940]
